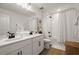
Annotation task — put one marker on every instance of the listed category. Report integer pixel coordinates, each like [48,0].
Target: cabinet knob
[39,43]
[18,53]
[21,52]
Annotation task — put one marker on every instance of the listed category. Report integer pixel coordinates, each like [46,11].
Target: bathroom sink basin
[12,39]
[18,37]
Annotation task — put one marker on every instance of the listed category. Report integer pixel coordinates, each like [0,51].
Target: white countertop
[14,40]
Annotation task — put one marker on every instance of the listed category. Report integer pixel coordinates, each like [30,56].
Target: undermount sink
[12,39]
[16,38]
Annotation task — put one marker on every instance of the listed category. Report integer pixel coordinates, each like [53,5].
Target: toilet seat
[47,43]
[47,40]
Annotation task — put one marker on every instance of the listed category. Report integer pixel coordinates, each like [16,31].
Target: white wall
[33,23]
[14,18]
[4,23]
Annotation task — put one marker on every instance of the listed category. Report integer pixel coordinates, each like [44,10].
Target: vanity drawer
[14,46]
[21,44]
[5,49]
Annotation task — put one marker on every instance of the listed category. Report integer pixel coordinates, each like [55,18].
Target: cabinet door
[22,48]
[40,44]
[27,50]
[16,52]
[35,46]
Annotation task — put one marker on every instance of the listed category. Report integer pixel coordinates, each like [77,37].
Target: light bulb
[24,5]
[58,9]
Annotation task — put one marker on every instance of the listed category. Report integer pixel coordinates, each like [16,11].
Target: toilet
[47,43]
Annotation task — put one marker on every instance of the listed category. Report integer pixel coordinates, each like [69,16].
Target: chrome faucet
[11,35]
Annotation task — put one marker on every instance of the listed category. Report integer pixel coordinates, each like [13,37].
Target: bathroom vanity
[27,45]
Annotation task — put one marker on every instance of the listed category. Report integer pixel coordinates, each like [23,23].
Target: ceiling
[16,8]
[36,7]
[54,6]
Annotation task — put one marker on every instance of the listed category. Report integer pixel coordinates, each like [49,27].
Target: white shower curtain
[62,24]
[62,27]
[58,27]
[55,28]
[55,25]
[70,24]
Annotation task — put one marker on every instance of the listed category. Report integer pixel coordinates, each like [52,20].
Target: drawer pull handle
[21,52]
[39,43]
[18,53]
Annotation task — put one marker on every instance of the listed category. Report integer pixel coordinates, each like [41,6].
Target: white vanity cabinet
[21,47]
[27,46]
[15,52]
[41,44]
[38,45]
[26,50]
[35,46]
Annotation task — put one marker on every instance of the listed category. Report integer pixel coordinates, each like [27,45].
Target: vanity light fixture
[58,9]
[25,5]
[50,16]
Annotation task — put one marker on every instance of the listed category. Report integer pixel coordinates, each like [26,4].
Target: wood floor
[52,51]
